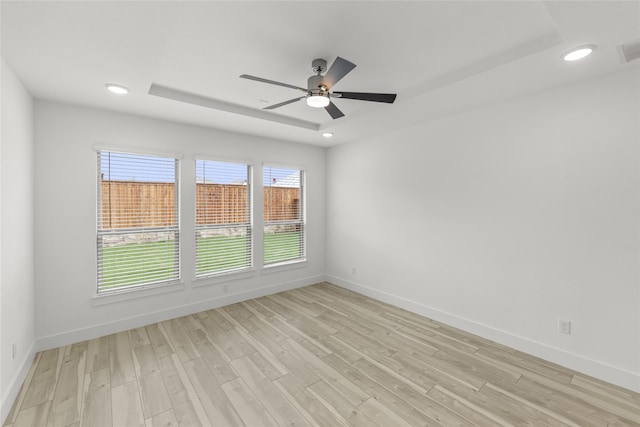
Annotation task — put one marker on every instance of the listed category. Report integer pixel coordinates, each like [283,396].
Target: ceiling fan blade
[273,82]
[365,96]
[340,68]
[274,106]
[333,111]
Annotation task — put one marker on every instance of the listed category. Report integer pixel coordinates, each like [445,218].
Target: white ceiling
[439,57]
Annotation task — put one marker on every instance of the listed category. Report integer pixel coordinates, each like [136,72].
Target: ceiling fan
[318,93]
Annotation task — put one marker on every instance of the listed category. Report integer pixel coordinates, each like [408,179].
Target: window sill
[129,294]
[217,279]
[284,266]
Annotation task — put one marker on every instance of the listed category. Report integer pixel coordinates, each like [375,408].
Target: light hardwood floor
[314,356]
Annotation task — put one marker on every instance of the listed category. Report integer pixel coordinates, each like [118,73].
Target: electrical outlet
[564,326]
[225,288]
[14,350]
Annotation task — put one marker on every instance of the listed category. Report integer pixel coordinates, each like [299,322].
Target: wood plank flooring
[315,356]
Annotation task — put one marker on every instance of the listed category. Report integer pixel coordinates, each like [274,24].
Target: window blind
[284,227]
[223,217]
[138,240]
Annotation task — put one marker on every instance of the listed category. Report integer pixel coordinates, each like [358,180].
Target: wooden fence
[221,204]
[133,204]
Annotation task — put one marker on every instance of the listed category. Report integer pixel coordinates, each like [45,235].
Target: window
[223,217]
[138,221]
[284,233]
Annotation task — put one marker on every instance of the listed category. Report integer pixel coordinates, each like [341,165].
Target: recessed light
[578,53]
[117,89]
[327,134]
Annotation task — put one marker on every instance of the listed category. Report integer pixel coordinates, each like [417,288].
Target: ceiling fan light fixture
[318,101]
[578,53]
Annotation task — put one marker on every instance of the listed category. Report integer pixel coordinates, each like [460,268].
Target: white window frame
[301,223]
[248,225]
[102,233]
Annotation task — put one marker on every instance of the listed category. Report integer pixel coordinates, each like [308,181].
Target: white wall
[65,219]
[503,220]
[16,237]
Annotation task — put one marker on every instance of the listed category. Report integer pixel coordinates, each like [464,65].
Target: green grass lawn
[279,247]
[220,253]
[137,263]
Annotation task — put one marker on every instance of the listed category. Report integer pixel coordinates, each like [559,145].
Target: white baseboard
[100,330]
[576,362]
[16,383]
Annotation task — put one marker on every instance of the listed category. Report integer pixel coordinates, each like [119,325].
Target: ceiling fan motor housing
[315,86]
